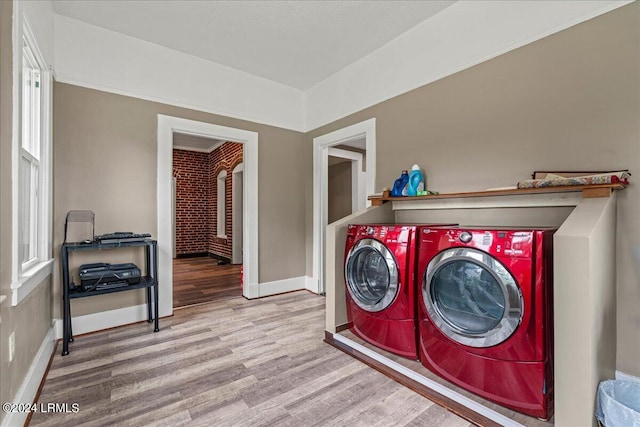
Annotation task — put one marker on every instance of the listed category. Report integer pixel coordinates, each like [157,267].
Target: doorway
[346,191]
[339,189]
[366,131]
[167,126]
[203,279]
[206,195]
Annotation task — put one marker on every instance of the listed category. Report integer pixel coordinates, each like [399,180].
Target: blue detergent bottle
[416,186]
[400,185]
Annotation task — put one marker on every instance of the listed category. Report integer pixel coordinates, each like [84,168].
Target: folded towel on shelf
[555,180]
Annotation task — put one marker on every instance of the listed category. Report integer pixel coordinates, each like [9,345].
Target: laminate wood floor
[417,367]
[201,279]
[235,362]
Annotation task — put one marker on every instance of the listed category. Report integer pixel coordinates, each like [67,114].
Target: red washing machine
[380,262]
[486,313]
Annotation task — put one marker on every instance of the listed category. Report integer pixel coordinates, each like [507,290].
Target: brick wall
[226,157]
[191,169]
[196,199]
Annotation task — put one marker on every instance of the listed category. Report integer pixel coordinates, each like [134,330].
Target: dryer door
[471,297]
[371,273]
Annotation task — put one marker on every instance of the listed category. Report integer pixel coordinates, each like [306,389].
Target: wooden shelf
[588,191]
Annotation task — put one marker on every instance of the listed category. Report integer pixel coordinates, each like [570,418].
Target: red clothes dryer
[379,267]
[486,313]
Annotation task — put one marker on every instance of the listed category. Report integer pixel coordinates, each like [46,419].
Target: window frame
[27,276]
[221,204]
[31,131]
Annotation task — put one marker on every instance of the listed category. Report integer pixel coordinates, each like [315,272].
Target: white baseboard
[311,284]
[124,316]
[27,391]
[251,290]
[626,377]
[104,320]
[281,286]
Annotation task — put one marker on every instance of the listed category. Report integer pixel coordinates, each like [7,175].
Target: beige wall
[31,319]
[569,101]
[105,159]
[584,338]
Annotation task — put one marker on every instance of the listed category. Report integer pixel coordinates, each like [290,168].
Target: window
[31,165]
[222,204]
[30,138]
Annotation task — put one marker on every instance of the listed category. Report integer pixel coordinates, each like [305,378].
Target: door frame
[167,126]
[358,177]
[174,190]
[321,144]
[236,243]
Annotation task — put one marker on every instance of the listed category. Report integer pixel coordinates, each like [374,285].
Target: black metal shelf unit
[148,282]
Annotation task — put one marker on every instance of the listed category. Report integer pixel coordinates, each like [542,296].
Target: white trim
[103,320]
[167,125]
[15,143]
[236,224]
[29,281]
[358,178]
[131,93]
[174,189]
[626,377]
[221,204]
[310,284]
[184,148]
[321,144]
[281,286]
[438,388]
[345,154]
[46,166]
[27,391]
[198,150]
[490,202]
[24,282]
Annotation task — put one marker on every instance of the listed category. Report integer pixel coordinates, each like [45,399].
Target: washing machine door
[371,273]
[471,297]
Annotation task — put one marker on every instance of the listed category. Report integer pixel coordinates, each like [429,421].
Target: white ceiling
[296,43]
[360,144]
[184,141]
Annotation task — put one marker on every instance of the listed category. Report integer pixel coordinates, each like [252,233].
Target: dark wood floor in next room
[201,279]
[235,362]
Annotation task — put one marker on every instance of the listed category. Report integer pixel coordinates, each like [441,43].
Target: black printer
[102,275]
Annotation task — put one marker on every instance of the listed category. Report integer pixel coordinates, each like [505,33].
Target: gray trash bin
[618,403]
